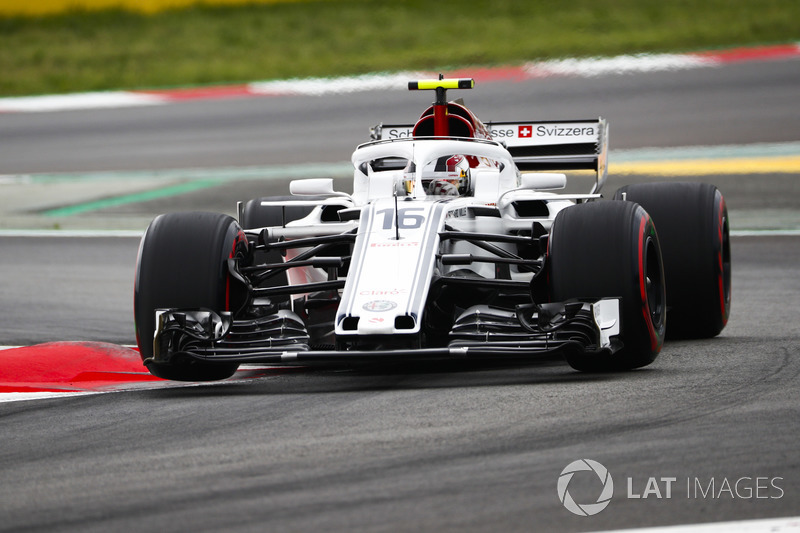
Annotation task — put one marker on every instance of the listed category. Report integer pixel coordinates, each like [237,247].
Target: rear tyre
[692,223]
[610,249]
[182,263]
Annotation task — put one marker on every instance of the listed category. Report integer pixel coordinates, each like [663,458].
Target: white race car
[452,245]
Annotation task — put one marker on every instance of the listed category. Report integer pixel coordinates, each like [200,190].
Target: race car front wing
[481,332]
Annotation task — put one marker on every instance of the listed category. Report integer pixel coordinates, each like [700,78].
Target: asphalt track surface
[405,448]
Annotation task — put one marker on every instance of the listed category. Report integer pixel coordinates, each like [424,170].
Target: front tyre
[182,263]
[610,249]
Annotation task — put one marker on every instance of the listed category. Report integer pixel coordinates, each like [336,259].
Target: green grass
[83,51]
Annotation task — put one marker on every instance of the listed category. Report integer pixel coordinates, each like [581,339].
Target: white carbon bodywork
[390,276]
[398,231]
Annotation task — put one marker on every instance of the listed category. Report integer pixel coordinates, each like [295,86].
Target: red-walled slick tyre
[693,227]
[610,249]
[182,263]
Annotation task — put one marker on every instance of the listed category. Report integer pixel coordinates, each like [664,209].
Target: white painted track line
[772,525]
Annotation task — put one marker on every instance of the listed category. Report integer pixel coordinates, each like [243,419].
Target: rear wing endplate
[539,145]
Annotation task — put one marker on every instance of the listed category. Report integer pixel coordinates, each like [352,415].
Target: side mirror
[543,180]
[314,187]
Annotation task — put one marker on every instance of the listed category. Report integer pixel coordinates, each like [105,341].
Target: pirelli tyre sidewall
[182,263]
[611,249]
[693,227]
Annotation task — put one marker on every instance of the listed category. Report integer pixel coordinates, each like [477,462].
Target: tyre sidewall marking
[646,227]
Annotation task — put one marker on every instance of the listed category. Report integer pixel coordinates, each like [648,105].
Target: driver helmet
[446,176]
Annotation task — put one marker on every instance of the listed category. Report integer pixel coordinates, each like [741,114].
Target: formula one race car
[452,245]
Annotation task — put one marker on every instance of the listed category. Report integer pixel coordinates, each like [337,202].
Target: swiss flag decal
[525,131]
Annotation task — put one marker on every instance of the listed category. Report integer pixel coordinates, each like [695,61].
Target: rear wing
[539,145]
